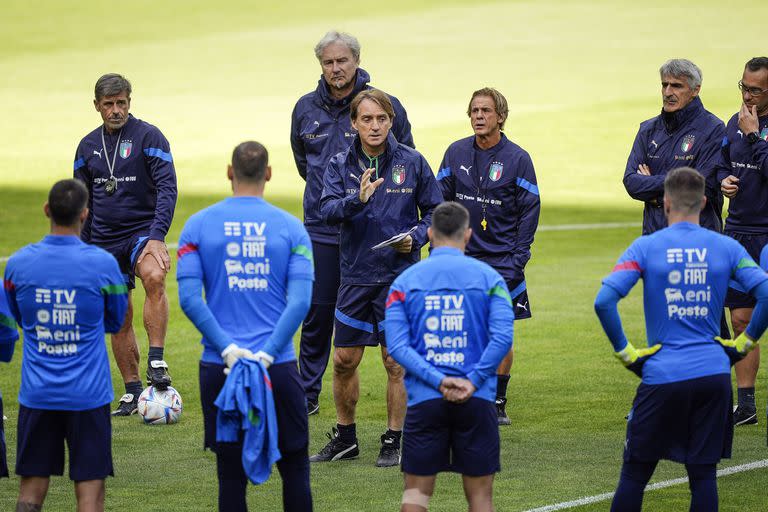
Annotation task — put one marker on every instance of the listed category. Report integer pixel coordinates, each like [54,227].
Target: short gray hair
[334,36]
[111,84]
[682,68]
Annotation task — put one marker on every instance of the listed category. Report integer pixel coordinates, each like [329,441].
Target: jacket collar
[324,94]
[674,120]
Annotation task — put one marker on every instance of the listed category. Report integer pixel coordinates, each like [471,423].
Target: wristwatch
[753,137]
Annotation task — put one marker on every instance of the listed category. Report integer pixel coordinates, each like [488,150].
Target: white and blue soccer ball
[160,407]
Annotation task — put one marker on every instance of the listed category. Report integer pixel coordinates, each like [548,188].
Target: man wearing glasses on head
[743,177]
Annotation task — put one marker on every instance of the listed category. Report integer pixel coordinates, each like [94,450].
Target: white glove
[232,353]
[265,359]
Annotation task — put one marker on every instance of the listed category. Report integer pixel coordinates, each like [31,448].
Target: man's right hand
[232,353]
[368,187]
[457,390]
[729,186]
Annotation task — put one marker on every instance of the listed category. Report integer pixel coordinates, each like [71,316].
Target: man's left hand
[158,250]
[404,246]
[748,122]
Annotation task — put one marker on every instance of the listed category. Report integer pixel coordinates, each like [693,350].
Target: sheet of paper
[392,241]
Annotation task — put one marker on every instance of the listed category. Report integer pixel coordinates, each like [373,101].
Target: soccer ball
[160,407]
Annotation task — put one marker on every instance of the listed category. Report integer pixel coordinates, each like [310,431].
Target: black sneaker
[158,376]
[127,405]
[745,416]
[313,407]
[389,455]
[336,449]
[501,412]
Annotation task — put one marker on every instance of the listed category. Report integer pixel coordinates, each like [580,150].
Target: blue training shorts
[443,436]
[754,244]
[3,460]
[290,405]
[126,251]
[689,421]
[360,315]
[41,437]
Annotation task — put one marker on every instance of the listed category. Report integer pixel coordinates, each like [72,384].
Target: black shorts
[360,315]
[41,437]
[754,244]
[443,436]
[688,421]
[290,405]
[519,292]
[126,251]
[3,460]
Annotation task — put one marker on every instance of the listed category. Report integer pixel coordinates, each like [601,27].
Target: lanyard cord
[373,161]
[111,166]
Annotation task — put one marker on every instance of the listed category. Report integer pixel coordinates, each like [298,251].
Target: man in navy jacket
[127,166]
[494,179]
[376,189]
[743,177]
[684,134]
[320,128]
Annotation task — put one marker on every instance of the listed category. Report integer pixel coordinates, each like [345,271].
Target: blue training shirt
[449,315]
[685,270]
[65,294]
[245,251]
[8,330]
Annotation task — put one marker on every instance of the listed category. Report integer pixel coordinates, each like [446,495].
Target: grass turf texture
[579,77]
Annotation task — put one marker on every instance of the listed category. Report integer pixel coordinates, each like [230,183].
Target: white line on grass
[556,227]
[658,485]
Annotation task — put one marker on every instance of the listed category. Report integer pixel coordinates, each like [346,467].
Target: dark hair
[66,201]
[684,187]
[499,102]
[249,161]
[376,96]
[111,84]
[450,220]
[757,63]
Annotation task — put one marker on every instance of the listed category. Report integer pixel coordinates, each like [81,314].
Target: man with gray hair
[127,166]
[321,128]
[683,134]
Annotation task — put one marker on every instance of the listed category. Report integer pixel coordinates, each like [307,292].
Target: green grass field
[579,77]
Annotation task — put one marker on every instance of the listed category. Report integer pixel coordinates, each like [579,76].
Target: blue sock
[232,479]
[746,397]
[347,433]
[135,388]
[155,354]
[634,478]
[702,480]
[501,386]
[294,472]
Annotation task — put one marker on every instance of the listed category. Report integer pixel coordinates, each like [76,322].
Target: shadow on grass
[22,220]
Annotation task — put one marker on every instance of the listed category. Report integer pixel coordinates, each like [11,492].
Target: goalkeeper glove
[232,353]
[738,348]
[265,359]
[633,359]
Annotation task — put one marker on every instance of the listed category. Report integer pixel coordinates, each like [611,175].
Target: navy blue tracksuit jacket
[748,211]
[145,198]
[689,137]
[409,191]
[498,184]
[321,128]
